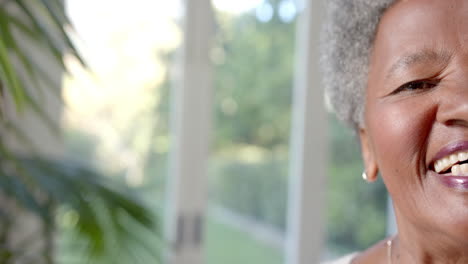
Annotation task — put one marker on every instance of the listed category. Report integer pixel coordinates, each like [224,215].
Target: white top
[343,260]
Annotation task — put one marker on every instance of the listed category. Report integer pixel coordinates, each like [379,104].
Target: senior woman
[397,71]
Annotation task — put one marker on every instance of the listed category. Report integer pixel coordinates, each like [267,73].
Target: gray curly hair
[347,40]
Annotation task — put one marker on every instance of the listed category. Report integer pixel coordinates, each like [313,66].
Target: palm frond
[108,213]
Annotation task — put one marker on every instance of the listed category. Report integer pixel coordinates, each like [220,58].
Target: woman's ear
[370,165]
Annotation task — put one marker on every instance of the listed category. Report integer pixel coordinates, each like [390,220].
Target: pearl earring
[364,176]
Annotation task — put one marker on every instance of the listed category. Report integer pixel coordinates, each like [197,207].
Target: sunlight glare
[236,6]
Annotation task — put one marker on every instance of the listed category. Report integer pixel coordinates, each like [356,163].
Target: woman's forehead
[424,22]
[420,31]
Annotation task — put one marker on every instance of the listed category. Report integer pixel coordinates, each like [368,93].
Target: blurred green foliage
[258,190]
[254,77]
[237,247]
[254,67]
[356,216]
[254,70]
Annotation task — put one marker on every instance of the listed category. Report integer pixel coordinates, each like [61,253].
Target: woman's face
[417,115]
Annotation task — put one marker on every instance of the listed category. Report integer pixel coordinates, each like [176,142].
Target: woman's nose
[453,106]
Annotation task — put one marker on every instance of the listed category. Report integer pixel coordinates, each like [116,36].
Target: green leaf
[59,19]
[39,26]
[17,190]
[103,207]
[8,74]
[23,27]
[7,35]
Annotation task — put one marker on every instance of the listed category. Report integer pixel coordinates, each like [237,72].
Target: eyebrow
[419,57]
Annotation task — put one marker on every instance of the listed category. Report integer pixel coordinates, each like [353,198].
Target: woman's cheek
[400,131]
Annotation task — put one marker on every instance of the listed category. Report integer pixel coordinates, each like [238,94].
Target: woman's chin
[447,197]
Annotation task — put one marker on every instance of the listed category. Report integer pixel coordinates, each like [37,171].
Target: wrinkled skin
[417,104]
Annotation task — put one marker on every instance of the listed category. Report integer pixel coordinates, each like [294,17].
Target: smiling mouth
[450,166]
[454,164]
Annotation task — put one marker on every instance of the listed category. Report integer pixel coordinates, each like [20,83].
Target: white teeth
[460,170]
[456,170]
[450,161]
[464,169]
[453,158]
[445,163]
[462,156]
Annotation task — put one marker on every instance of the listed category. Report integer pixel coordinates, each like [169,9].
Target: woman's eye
[417,86]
